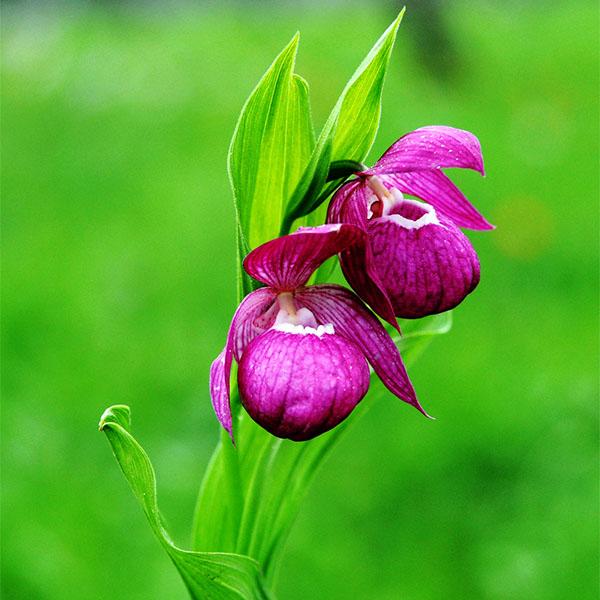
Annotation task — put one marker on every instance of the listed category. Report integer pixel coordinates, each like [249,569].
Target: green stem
[339,170]
[247,530]
[231,464]
[286,224]
[221,497]
[207,485]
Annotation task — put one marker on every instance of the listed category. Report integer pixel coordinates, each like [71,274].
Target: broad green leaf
[271,146]
[275,474]
[245,283]
[218,575]
[350,129]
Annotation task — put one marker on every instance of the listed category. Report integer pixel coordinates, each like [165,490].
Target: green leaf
[218,513]
[217,575]
[355,118]
[350,129]
[417,334]
[271,146]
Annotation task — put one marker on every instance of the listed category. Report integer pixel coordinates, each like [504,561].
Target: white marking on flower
[319,331]
[428,218]
[328,227]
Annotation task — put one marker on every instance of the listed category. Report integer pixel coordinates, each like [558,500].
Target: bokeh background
[119,284]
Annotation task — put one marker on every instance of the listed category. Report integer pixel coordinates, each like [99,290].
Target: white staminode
[300,322]
[319,331]
[328,227]
[429,217]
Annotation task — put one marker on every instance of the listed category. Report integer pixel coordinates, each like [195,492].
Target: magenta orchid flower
[303,351]
[415,260]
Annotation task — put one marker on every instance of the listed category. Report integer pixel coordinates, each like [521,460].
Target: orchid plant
[301,350]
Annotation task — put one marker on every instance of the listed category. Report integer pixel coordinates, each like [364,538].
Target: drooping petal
[298,382]
[425,262]
[431,147]
[256,313]
[220,372]
[353,320]
[436,188]
[288,262]
[350,205]
[245,326]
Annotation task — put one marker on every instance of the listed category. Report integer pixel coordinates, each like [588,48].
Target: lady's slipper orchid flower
[415,261]
[303,351]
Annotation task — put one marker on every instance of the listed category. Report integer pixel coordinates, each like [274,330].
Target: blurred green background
[119,285]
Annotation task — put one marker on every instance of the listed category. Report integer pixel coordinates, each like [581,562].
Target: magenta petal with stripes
[298,382]
[432,147]
[245,326]
[350,205]
[425,262]
[288,262]
[436,188]
[354,321]
[255,315]
[220,371]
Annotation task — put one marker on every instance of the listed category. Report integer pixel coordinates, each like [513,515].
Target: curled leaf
[218,575]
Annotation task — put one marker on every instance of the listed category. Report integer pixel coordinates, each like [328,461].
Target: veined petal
[288,262]
[350,205]
[255,314]
[436,188]
[298,382]
[353,320]
[431,148]
[245,326]
[220,372]
[425,261]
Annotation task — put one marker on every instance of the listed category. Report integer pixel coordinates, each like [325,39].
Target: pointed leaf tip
[400,16]
[292,46]
[392,30]
[341,139]
[271,146]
